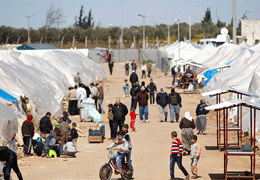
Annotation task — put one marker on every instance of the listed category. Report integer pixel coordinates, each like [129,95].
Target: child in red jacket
[133,116]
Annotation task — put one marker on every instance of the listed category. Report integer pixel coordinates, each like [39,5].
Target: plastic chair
[52,153]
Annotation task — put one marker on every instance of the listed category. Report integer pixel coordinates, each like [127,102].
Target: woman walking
[28,133]
[187,125]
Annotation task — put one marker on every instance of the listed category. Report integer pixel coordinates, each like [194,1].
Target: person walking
[149,69]
[45,124]
[94,93]
[162,101]
[111,66]
[81,93]
[10,159]
[28,133]
[144,68]
[119,111]
[133,77]
[77,79]
[72,97]
[133,92]
[127,68]
[100,98]
[142,98]
[176,156]
[152,90]
[134,66]
[173,75]
[201,113]
[175,105]
[187,125]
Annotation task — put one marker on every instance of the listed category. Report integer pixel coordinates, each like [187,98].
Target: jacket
[149,67]
[162,99]
[134,90]
[119,112]
[70,147]
[101,92]
[133,78]
[72,95]
[45,125]
[185,123]
[64,128]
[143,67]
[173,71]
[5,153]
[27,129]
[152,87]
[178,98]
[94,92]
[142,98]
[200,110]
[110,64]
[88,92]
[124,147]
[74,134]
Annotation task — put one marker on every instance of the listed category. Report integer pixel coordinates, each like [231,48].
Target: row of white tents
[44,77]
[242,72]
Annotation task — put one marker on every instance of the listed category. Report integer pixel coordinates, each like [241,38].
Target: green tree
[84,22]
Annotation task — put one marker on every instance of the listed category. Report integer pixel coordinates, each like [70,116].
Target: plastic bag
[94,115]
[190,87]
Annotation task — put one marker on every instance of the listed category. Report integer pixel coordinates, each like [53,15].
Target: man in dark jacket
[119,112]
[174,101]
[133,92]
[152,90]
[10,159]
[111,65]
[142,98]
[133,77]
[173,74]
[162,101]
[45,124]
[28,133]
[201,116]
[88,92]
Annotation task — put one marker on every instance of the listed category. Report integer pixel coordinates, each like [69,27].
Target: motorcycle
[106,170]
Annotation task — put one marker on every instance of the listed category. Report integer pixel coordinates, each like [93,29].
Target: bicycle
[106,171]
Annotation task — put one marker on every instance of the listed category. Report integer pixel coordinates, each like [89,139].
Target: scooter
[106,170]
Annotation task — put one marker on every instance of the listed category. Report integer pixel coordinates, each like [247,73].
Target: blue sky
[12,12]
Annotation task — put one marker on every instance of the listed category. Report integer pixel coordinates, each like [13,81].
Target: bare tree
[53,16]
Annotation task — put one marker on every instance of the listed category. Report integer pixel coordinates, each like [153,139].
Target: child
[70,149]
[127,138]
[122,150]
[126,88]
[195,155]
[74,133]
[110,117]
[133,116]
[176,156]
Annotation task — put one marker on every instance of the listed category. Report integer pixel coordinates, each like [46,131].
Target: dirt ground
[151,144]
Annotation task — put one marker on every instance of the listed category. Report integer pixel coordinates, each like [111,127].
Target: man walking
[127,68]
[94,93]
[133,77]
[119,111]
[143,68]
[100,98]
[81,92]
[175,105]
[77,79]
[142,98]
[111,66]
[162,101]
[173,74]
[149,69]
[133,93]
[201,116]
[152,90]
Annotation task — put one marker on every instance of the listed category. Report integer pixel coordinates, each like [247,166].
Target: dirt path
[151,144]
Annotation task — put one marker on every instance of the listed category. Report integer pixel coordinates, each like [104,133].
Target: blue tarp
[36,46]
[210,73]
[7,96]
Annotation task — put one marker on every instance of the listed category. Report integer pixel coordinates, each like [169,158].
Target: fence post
[139,55]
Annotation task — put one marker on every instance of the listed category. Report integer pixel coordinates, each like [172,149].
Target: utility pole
[29,39]
[168,35]
[143,28]
[62,39]
[122,33]
[73,41]
[190,28]
[108,42]
[178,20]
[86,41]
[234,23]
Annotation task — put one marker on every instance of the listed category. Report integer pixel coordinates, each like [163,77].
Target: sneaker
[165,120]
[188,177]
[141,121]
[146,121]
[194,177]
[171,122]
[161,121]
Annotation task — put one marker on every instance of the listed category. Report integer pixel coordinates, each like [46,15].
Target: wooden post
[6,42]
[18,40]
[73,41]
[86,41]
[62,39]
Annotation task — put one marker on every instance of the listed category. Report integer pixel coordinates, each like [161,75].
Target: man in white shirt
[81,92]
[144,68]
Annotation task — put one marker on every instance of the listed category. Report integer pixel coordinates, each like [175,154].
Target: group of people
[62,138]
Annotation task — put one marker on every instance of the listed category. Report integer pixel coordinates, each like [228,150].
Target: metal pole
[143,32]
[108,42]
[234,23]
[168,35]
[121,45]
[29,40]
[190,28]
[179,39]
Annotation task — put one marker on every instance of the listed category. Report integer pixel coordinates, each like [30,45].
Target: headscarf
[29,118]
[162,89]
[187,116]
